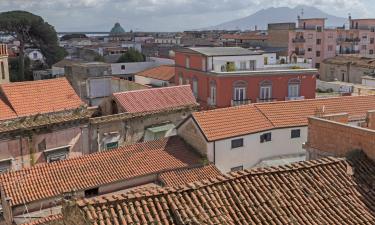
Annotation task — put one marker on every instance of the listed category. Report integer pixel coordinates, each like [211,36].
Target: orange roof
[184,176]
[44,96]
[235,121]
[165,73]
[51,219]
[6,111]
[48,180]
[155,99]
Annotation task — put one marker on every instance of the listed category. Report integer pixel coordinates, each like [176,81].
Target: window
[212,100]
[111,145]
[35,55]
[204,64]
[5,165]
[243,65]
[236,143]
[371,52]
[122,67]
[180,78]
[2,70]
[330,48]
[187,62]
[317,53]
[195,87]
[317,65]
[265,90]
[91,192]
[309,49]
[372,40]
[296,133]
[237,168]
[56,154]
[318,41]
[319,28]
[253,64]
[372,29]
[294,88]
[363,47]
[266,137]
[239,93]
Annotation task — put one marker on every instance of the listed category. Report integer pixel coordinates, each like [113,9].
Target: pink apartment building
[312,41]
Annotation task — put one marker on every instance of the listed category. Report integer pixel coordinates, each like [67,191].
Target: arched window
[265,91]
[239,90]
[122,67]
[212,98]
[294,86]
[195,87]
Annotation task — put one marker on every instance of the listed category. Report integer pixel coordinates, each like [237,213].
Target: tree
[67,37]
[131,55]
[31,30]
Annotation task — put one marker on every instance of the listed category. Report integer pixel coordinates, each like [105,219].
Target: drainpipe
[215,153]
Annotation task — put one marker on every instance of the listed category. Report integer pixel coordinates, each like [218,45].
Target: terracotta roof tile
[315,192]
[188,175]
[52,219]
[52,179]
[155,99]
[165,73]
[6,112]
[33,97]
[235,121]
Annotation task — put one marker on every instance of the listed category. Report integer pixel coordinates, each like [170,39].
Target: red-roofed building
[41,121]
[154,99]
[244,136]
[161,76]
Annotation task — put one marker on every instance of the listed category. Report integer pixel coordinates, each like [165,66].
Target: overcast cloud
[166,15]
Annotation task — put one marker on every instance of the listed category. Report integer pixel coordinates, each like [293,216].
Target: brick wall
[337,139]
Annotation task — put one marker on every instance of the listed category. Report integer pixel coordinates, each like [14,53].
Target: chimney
[371,119]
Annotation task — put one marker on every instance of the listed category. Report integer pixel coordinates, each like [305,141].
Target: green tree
[131,55]
[31,30]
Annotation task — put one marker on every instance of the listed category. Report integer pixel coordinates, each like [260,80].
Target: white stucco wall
[150,81]
[253,151]
[218,61]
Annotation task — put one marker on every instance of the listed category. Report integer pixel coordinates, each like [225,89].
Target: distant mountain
[278,15]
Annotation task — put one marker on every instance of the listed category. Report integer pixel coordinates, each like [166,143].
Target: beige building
[4,68]
[347,68]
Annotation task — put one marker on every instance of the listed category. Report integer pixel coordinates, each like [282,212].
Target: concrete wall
[345,73]
[189,131]
[254,151]
[333,138]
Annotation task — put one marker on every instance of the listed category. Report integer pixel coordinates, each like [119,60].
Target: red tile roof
[49,220]
[235,121]
[155,99]
[52,179]
[45,96]
[165,73]
[188,175]
[6,111]
[326,191]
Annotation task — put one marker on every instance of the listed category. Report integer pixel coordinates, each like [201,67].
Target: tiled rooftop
[326,191]
[165,73]
[52,219]
[45,96]
[235,121]
[52,179]
[6,111]
[155,99]
[188,175]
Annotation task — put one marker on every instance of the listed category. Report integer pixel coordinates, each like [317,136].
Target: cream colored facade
[4,68]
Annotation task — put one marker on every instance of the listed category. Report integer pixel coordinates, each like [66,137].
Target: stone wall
[189,131]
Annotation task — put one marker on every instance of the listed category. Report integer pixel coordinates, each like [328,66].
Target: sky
[166,15]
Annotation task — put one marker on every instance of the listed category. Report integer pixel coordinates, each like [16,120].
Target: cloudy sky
[166,15]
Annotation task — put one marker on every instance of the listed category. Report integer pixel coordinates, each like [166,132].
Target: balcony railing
[348,52]
[298,40]
[240,102]
[348,39]
[295,98]
[266,99]
[300,52]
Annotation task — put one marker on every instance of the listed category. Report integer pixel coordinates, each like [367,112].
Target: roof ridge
[212,181]
[260,111]
[151,89]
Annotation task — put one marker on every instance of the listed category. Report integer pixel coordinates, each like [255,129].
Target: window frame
[266,137]
[265,88]
[293,135]
[235,145]
[187,62]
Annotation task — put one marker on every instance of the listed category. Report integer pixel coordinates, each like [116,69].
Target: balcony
[266,99]
[299,40]
[240,102]
[300,52]
[350,40]
[294,98]
[343,52]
